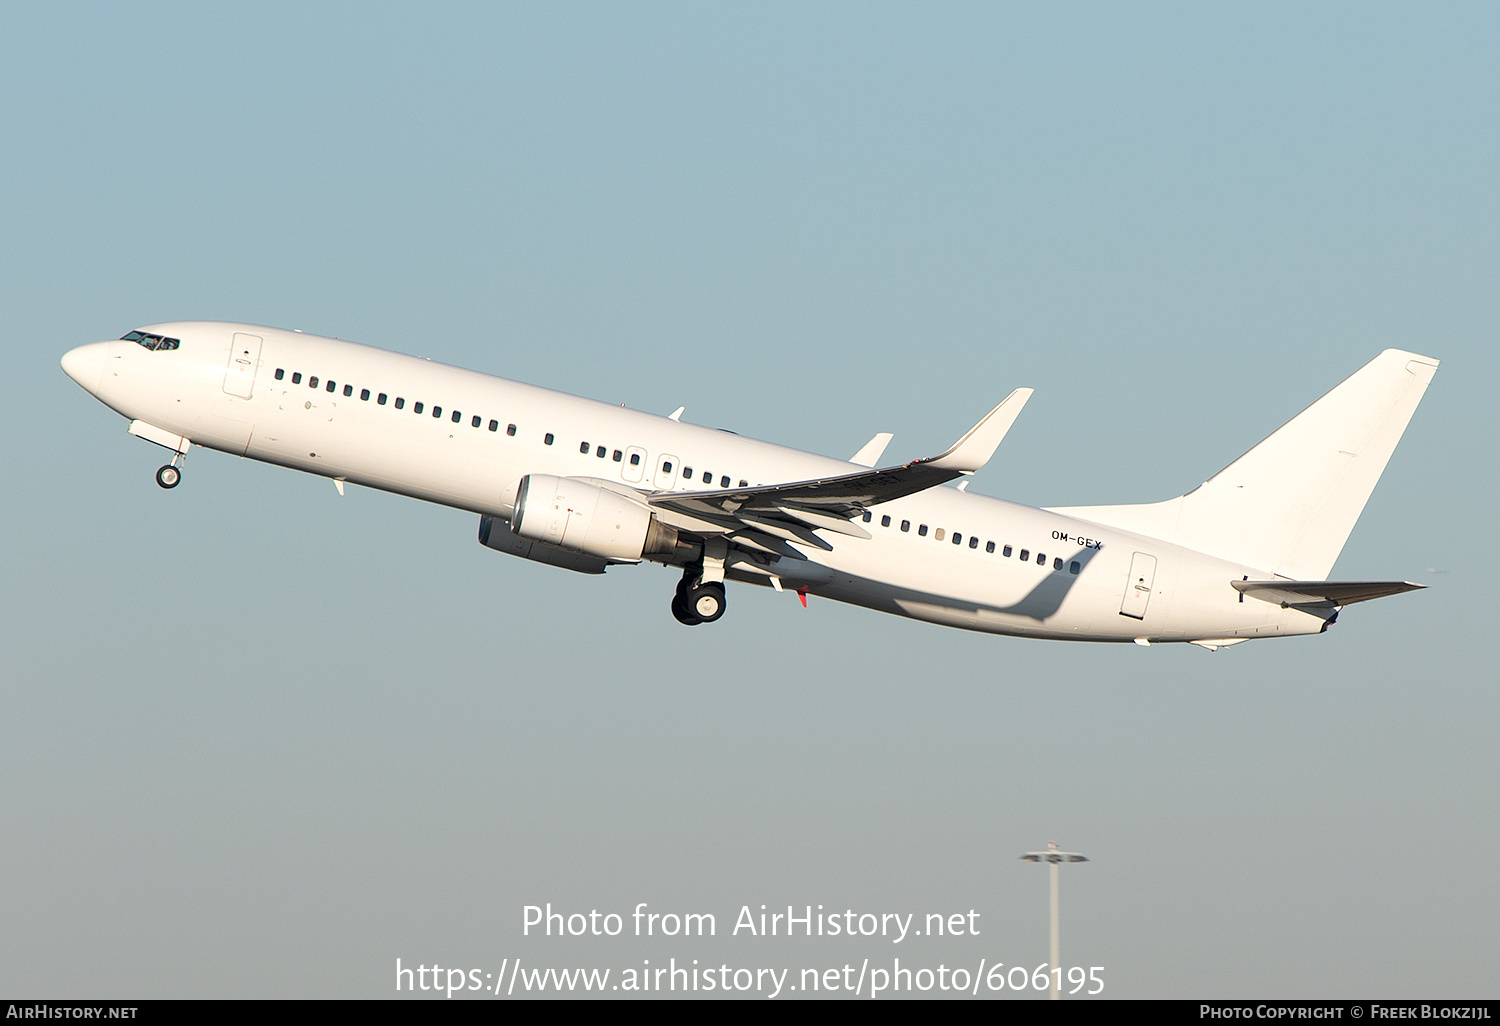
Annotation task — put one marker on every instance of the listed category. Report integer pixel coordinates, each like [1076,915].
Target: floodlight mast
[1054,858]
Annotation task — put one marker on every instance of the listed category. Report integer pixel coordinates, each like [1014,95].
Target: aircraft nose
[85,365]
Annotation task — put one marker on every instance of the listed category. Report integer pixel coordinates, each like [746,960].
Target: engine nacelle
[581,516]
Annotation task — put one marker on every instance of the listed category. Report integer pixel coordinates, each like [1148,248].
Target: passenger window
[494,425]
[744,484]
[922,531]
[600,452]
[1057,563]
[348,391]
[364,394]
[958,539]
[1025,554]
[708,477]
[296,377]
[868,516]
[510,429]
[974,542]
[635,459]
[479,420]
[331,385]
[906,525]
[1041,559]
[989,546]
[687,473]
[583,447]
[885,521]
[437,411]
[617,456]
[416,407]
[938,534]
[547,438]
[724,481]
[312,382]
[280,373]
[400,403]
[1006,552]
[380,399]
[457,417]
[1073,567]
[666,467]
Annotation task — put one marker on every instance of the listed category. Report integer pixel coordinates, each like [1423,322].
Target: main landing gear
[697,601]
[169,475]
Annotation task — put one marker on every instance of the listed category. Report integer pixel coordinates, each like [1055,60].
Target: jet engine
[581,516]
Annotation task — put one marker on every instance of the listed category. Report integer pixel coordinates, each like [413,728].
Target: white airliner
[582,485]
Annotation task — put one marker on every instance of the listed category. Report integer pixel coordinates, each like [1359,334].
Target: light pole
[1054,858]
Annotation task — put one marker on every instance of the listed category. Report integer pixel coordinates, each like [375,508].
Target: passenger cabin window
[724,481]
[1041,559]
[687,473]
[510,429]
[906,525]
[400,403]
[1025,554]
[331,386]
[868,516]
[744,484]
[416,407]
[600,452]
[635,459]
[477,421]
[958,539]
[312,382]
[989,546]
[1057,563]
[380,399]
[494,424]
[547,438]
[708,477]
[1074,567]
[617,456]
[974,542]
[938,534]
[583,447]
[666,466]
[1006,552]
[457,417]
[922,531]
[364,394]
[348,390]
[437,411]
[280,373]
[296,377]
[885,521]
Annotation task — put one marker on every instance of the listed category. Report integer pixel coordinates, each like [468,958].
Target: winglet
[974,449]
[870,453]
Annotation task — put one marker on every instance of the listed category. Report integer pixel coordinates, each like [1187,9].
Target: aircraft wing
[793,510]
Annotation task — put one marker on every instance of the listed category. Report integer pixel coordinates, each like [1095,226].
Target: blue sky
[259,740]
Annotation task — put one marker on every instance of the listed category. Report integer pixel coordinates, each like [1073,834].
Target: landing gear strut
[698,601]
[169,475]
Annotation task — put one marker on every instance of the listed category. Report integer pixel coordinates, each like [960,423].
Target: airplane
[585,485]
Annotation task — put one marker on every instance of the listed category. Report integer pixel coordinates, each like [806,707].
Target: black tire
[684,615]
[706,602]
[168,476]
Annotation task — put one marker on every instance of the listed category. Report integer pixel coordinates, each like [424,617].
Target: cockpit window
[152,342]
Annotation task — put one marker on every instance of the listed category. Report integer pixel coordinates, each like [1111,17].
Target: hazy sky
[260,740]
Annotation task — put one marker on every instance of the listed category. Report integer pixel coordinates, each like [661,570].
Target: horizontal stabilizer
[1337,593]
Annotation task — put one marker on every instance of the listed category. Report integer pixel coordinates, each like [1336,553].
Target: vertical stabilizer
[1287,506]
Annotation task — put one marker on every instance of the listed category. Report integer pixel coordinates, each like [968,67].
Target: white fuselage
[477,435]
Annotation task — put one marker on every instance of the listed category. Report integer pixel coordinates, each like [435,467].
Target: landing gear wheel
[683,613]
[707,602]
[168,476]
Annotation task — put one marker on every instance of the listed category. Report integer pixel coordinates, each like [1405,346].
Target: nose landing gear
[169,475]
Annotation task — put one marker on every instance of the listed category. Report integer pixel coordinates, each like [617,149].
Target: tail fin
[1287,506]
